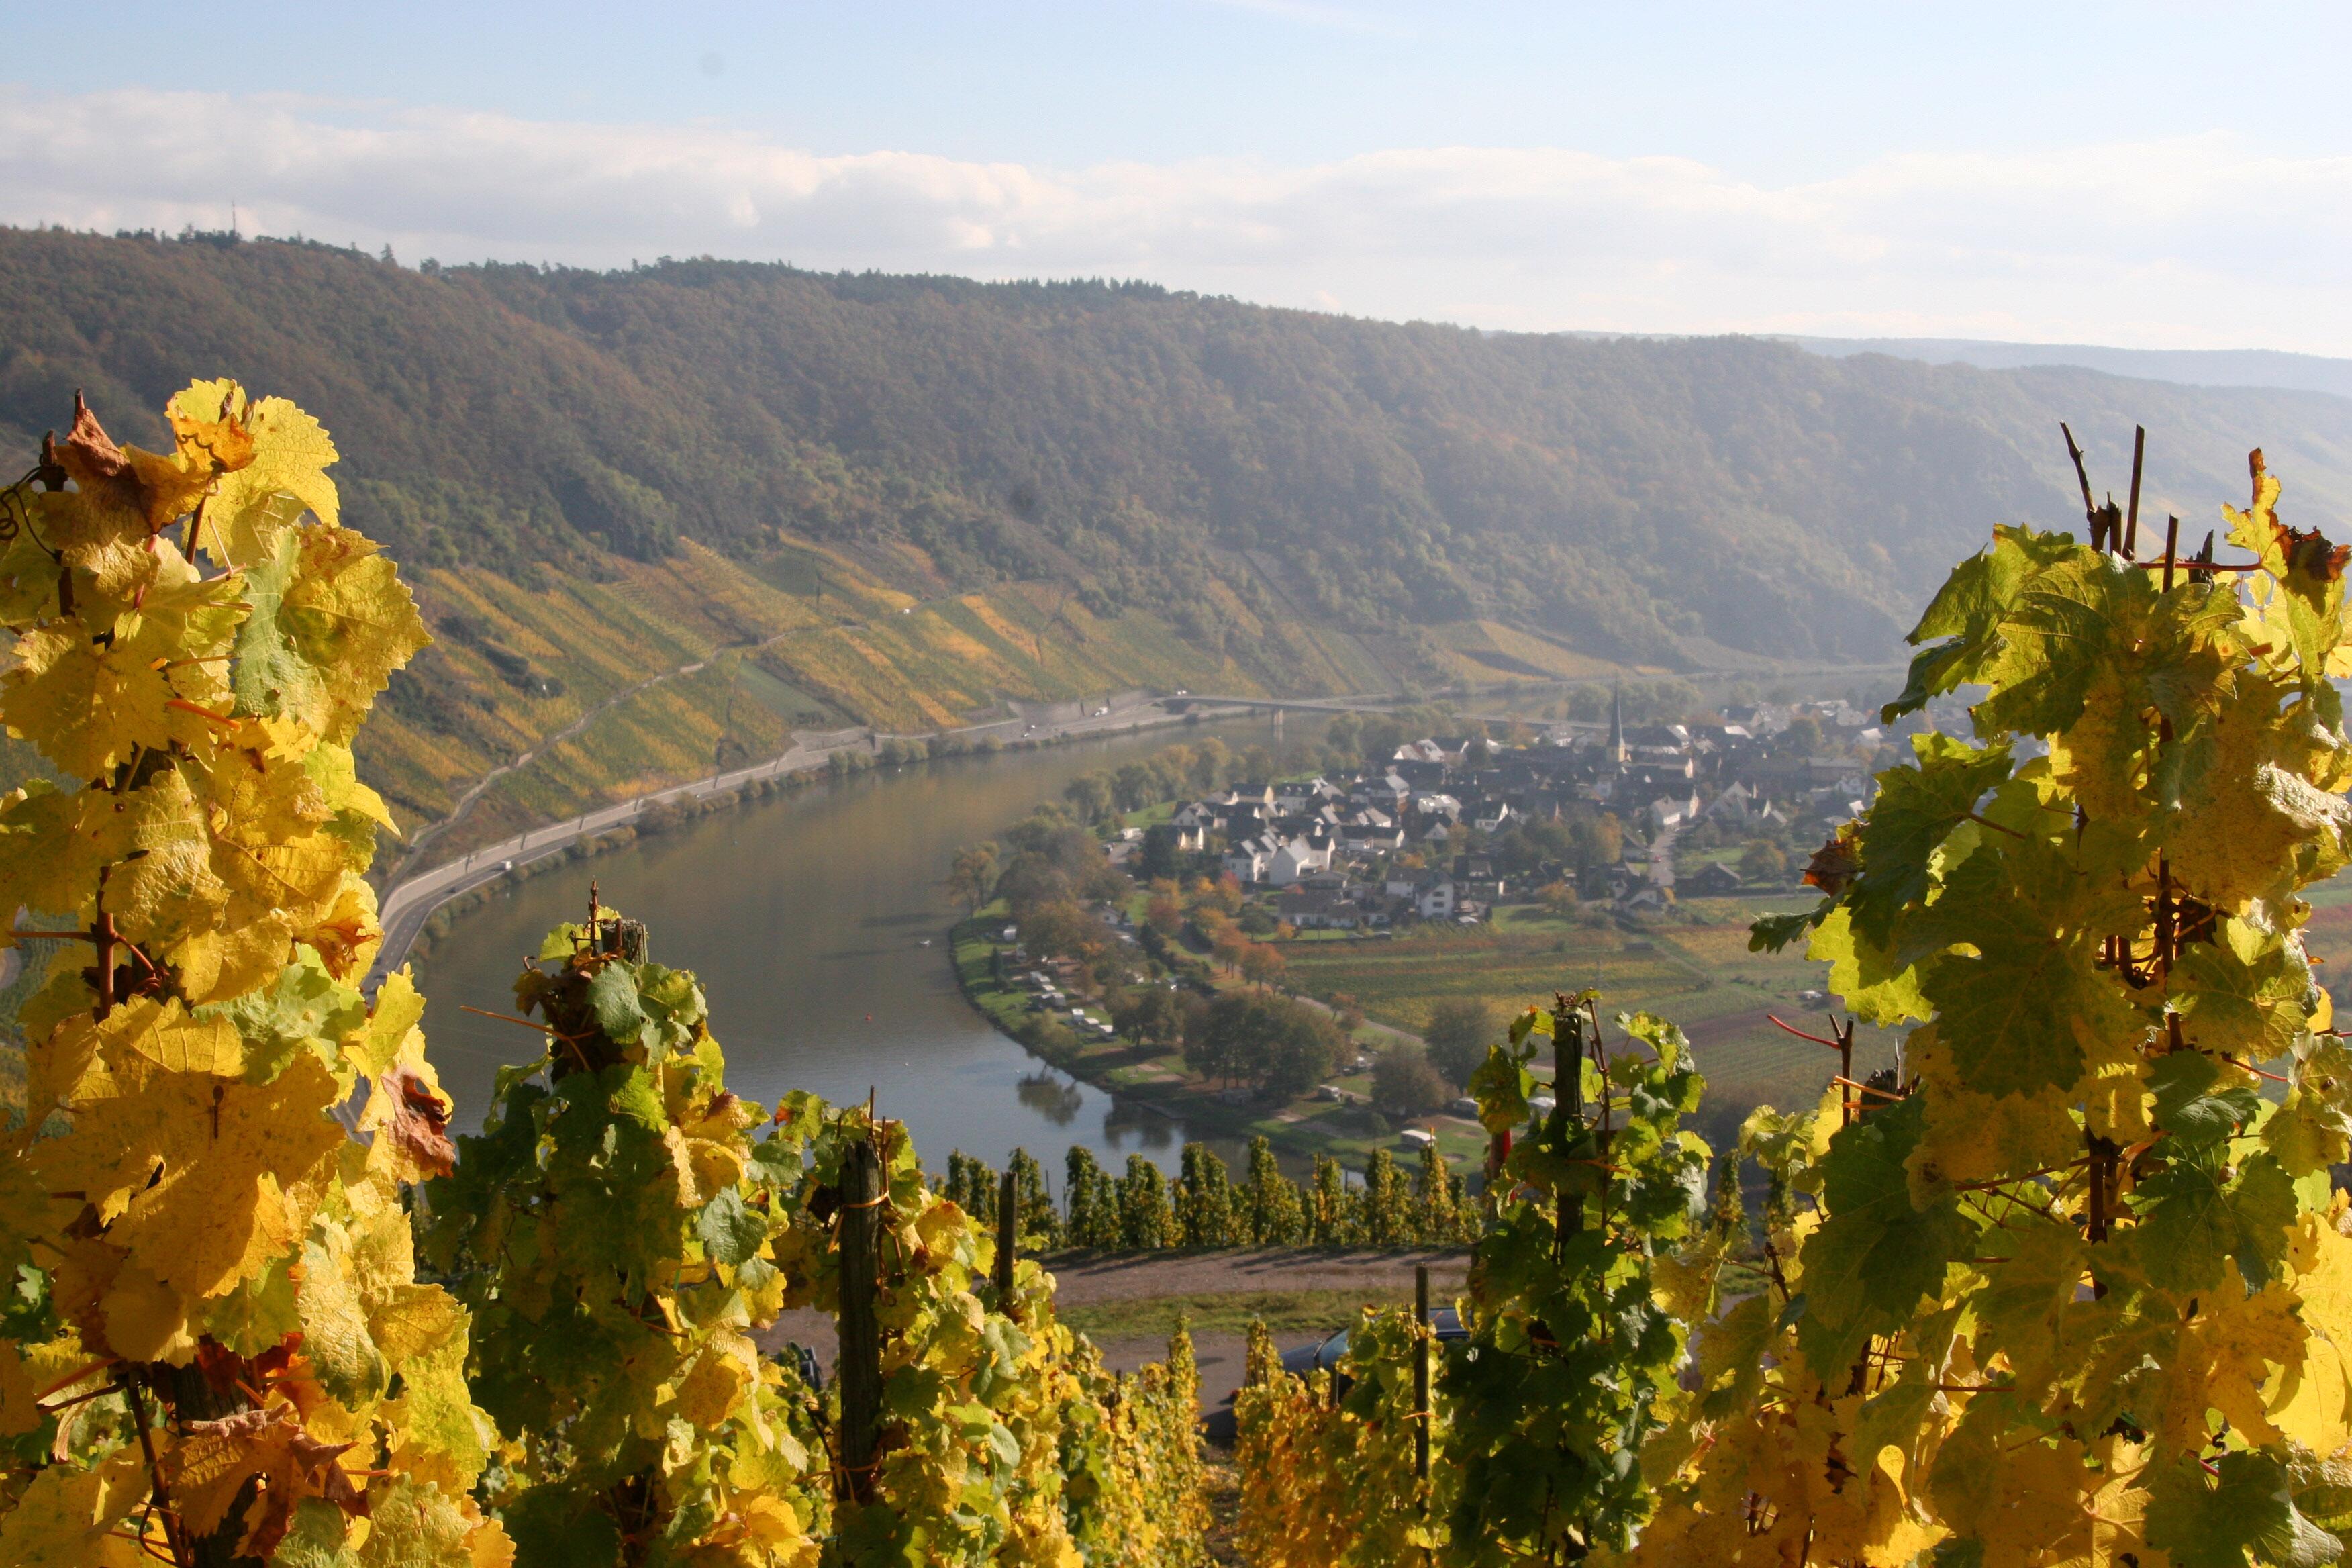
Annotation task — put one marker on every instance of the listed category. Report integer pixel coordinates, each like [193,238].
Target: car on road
[1325,1355]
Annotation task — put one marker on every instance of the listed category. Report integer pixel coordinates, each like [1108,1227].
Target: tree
[1461,1030]
[1061,929]
[1347,1012]
[1219,895]
[1151,1015]
[1262,965]
[1405,1081]
[1160,856]
[1090,796]
[1163,914]
[1134,786]
[1802,738]
[1210,760]
[1762,861]
[971,875]
[1558,900]
[1305,1049]
[1284,1046]
[1031,879]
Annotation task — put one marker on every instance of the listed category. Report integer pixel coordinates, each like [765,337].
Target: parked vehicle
[1325,1355]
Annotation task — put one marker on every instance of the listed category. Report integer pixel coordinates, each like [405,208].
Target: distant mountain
[2190,367]
[1076,484]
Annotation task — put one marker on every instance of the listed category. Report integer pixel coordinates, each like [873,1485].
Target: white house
[1295,859]
[1433,900]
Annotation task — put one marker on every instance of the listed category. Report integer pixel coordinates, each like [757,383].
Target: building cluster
[1397,842]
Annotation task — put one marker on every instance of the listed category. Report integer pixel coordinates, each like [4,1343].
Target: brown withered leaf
[419,1127]
[1835,864]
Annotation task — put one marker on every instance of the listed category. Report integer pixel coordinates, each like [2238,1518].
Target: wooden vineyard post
[1008,1240]
[1421,1331]
[1845,1072]
[861,1337]
[1568,1093]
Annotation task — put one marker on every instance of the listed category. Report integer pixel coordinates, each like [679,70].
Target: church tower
[1617,722]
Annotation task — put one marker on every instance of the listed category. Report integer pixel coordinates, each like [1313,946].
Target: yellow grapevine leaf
[179,1044]
[286,476]
[145,1318]
[217,964]
[347,935]
[398,1008]
[19,1394]
[194,1171]
[419,1526]
[66,1517]
[330,622]
[88,707]
[2313,1404]
[416,1320]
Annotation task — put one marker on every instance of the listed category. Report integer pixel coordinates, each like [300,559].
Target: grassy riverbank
[1158,1079]
[1692,966]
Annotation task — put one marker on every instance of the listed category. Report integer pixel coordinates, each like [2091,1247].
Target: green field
[1302,1127]
[1692,966]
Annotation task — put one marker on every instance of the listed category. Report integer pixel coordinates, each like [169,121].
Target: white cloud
[2193,242]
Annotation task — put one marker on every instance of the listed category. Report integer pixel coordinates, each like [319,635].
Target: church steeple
[1617,720]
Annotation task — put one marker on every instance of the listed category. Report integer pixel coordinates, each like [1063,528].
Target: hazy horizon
[2003,174]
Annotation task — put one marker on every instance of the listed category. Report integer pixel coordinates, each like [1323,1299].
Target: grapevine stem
[2082,478]
[81,1398]
[185,705]
[155,1472]
[76,1376]
[1802,1036]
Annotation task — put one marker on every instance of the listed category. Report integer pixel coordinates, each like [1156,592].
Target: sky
[2154,175]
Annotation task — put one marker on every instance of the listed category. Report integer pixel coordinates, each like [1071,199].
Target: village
[1449,829]
[1236,955]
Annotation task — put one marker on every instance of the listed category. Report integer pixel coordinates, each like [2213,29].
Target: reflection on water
[1051,1095]
[805,916]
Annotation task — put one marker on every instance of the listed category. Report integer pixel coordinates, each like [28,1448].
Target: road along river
[807,916]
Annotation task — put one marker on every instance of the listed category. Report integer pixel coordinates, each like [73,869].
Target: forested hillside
[1076,486]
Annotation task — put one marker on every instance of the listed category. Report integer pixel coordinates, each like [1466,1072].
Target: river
[805,916]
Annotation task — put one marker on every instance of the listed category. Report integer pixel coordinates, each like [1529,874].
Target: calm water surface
[805,915]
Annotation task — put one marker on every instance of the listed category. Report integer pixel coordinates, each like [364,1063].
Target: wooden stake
[1008,1234]
[1845,1067]
[1568,1092]
[2131,518]
[860,1372]
[2171,547]
[1421,1375]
